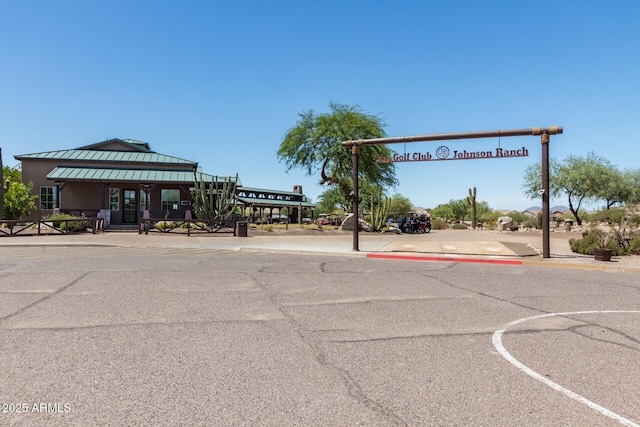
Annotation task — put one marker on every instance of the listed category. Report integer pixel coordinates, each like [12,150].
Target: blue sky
[222,82]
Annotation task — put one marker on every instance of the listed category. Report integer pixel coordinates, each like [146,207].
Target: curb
[516,262]
[608,268]
[445,259]
[62,244]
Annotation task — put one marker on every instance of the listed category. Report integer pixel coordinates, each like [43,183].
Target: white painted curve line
[497,343]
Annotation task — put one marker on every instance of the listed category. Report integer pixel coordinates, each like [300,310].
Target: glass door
[129,207]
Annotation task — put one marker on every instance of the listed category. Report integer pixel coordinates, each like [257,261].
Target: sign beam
[543,132]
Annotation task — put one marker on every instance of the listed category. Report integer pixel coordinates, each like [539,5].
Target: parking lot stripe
[497,343]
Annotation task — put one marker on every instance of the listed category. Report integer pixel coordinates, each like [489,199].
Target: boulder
[347,224]
[505,223]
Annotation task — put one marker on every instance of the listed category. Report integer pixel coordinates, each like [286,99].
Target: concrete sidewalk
[441,245]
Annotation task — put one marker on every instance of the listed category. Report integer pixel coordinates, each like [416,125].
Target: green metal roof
[130,144]
[62,173]
[107,156]
[273,202]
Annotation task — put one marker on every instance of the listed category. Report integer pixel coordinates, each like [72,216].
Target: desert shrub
[268,229]
[597,238]
[459,226]
[165,225]
[634,244]
[71,226]
[490,224]
[438,224]
[611,216]
[533,222]
[584,246]
[489,216]
[517,217]
[193,225]
[586,216]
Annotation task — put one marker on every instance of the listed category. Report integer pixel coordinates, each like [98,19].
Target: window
[170,200]
[114,199]
[48,198]
[145,202]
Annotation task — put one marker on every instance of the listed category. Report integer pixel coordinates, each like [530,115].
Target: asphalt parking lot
[106,335]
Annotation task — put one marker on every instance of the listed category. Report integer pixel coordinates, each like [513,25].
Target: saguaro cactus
[471,201]
[215,200]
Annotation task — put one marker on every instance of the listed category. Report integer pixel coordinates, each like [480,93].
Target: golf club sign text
[443,153]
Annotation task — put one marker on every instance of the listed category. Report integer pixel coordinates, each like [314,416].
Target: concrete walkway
[440,245]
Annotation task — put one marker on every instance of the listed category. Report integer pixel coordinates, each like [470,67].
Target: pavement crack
[356,391]
[322,266]
[107,326]
[483,294]
[412,337]
[45,298]
[353,387]
[369,300]
[578,331]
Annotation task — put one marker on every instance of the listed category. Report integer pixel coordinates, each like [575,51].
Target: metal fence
[44,226]
[186,226]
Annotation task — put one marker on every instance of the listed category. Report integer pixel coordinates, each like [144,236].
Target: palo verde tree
[400,204]
[459,208]
[452,210]
[331,200]
[634,179]
[484,213]
[579,178]
[313,144]
[618,187]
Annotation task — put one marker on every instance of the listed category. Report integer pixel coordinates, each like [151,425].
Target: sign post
[545,138]
[355,157]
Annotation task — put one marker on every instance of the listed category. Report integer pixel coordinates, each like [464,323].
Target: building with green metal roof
[123,178]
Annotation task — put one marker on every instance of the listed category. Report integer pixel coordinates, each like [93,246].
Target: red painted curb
[447,259]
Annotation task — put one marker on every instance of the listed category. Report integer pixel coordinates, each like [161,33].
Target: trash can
[241,228]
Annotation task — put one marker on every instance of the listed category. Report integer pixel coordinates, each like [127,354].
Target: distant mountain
[533,208]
